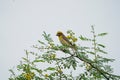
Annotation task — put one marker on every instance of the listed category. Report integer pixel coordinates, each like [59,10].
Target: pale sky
[23,21]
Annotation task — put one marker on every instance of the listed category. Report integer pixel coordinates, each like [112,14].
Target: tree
[84,57]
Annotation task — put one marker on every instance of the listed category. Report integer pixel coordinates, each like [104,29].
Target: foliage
[90,58]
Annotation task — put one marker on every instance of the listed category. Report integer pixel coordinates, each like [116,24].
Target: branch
[101,71]
[90,62]
[76,54]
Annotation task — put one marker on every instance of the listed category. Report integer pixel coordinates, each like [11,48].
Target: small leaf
[50,68]
[101,45]
[90,52]
[47,37]
[102,34]
[25,59]
[102,51]
[38,60]
[38,70]
[12,71]
[84,38]
[107,60]
[74,65]
[41,42]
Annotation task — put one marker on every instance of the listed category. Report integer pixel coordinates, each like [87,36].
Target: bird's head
[59,33]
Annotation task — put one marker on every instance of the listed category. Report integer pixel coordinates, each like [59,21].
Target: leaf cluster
[96,66]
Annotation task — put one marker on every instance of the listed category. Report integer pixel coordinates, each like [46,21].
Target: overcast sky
[23,21]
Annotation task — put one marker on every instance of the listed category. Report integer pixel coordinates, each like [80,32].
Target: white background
[23,21]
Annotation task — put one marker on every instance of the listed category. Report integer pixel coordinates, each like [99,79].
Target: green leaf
[25,59]
[50,68]
[102,51]
[90,52]
[37,60]
[102,34]
[74,65]
[107,60]
[38,70]
[12,72]
[101,45]
[84,38]
[47,37]
[41,42]
[19,67]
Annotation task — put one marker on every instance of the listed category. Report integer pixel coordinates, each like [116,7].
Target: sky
[22,23]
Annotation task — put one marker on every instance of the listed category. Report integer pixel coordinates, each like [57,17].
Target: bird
[65,42]
[63,39]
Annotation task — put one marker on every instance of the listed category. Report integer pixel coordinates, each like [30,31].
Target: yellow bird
[63,39]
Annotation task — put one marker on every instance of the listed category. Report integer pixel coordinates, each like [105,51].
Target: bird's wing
[65,38]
